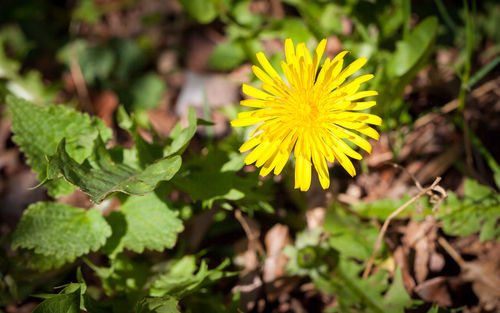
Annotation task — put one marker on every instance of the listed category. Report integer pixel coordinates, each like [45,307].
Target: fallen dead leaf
[435,290]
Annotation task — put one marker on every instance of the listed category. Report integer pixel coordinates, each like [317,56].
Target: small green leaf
[63,303]
[410,51]
[165,304]
[227,55]
[147,91]
[181,137]
[38,130]
[204,11]
[478,211]
[349,235]
[396,298]
[60,231]
[143,222]
[180,279]
[102,176]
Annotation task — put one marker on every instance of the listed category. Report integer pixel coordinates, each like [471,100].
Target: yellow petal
[358,106]
[322,169]
[289,51]
[262,75]
[362,94]
[253,103]
[302,173]
[267,66]
[254,92]
[250,143]
[344,161]
[356,117]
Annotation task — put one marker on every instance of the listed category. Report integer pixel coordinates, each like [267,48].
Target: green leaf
[147,91]
[38,130]
[143,222]
[181,280]
[227,55]
[124,276]
[181,137]
[60,230]
[204,11]
[165,304]
[63,303]
[478,211]
[349,235]
[397,299]
[384,207]
[101,176]
[96,62]
[410,51]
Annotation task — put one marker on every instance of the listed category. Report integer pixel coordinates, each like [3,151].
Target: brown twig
[253,238]
[381,234]
[452,252]
[81,87]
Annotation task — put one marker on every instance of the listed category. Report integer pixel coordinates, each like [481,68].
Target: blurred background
[436,70]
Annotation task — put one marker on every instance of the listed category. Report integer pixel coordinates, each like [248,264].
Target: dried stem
[452,252]
[253,238]
[81,87]
[381,234]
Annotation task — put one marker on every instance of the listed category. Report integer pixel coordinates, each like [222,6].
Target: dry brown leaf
[435,290]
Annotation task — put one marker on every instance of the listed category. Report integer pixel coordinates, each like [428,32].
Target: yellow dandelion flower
[309,114]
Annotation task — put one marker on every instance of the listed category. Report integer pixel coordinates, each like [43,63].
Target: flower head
[310,114]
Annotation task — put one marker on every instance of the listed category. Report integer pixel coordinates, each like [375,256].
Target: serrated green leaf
[38,130]
[181,280]
[143,222]
[102,176]
[157,305]
[63,303]
[478,211]
[60,231]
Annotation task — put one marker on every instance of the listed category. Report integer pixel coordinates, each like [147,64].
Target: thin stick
[381,234]
[452,252]
[81,87]
[253,239]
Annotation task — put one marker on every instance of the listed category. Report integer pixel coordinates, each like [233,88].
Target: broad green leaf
[181,280]
[60,230]
[478,211]
[143,222]
[44,262]
[38,130]
[63,303]
[101,176]
[410,51]
[203,11]
[227,55]
[165,304]
[349,235]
